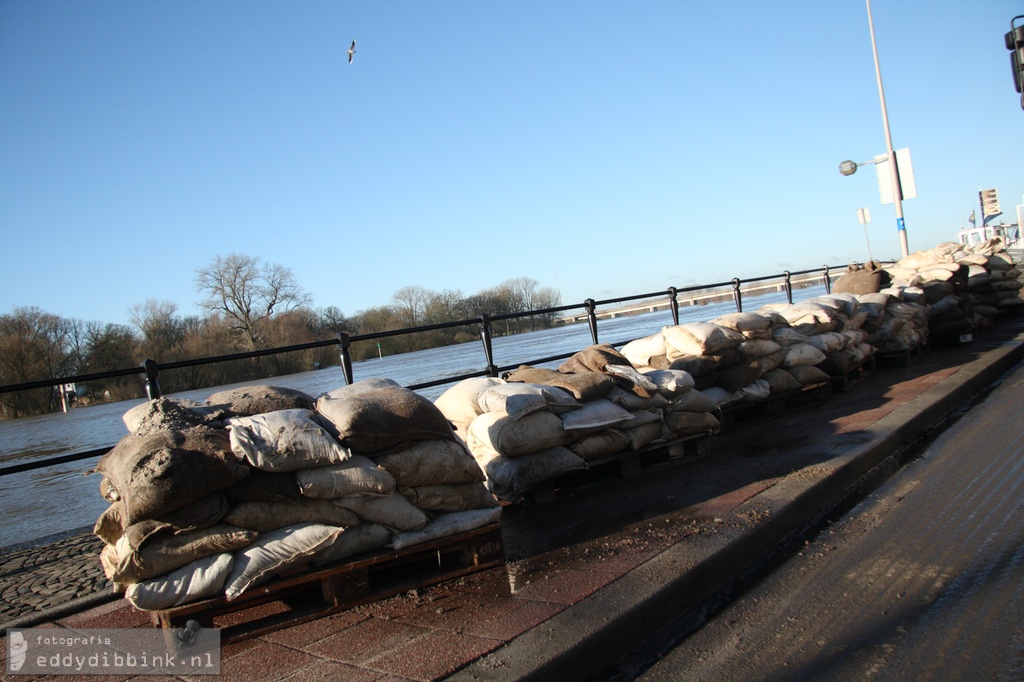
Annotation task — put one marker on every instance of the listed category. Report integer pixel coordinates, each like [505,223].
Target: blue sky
[603,148]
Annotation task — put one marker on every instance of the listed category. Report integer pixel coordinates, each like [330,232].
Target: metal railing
[150,369]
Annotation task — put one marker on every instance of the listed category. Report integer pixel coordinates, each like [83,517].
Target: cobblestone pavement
[36,579]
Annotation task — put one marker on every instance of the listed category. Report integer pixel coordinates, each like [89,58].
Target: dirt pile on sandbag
[214,499]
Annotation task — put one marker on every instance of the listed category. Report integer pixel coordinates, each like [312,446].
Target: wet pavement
[587,576]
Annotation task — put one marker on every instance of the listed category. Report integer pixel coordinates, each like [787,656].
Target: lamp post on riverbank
[849,167]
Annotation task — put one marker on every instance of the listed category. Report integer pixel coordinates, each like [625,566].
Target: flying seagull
[351,51]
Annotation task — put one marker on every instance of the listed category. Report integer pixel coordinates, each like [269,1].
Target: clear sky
[602,148]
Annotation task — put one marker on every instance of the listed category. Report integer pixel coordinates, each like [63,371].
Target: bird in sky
[351,51]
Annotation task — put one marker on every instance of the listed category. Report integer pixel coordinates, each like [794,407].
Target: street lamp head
[848,167]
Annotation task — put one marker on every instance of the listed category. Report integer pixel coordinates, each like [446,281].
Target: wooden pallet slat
[305,594]
[775,405]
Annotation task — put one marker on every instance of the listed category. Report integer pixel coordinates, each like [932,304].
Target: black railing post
[828,282]
[788,284]
[152,379]
[591,317]
[345,354]
[736,295]
[673,300]
[485,337]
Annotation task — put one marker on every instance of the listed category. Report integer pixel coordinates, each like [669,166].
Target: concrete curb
[591,635]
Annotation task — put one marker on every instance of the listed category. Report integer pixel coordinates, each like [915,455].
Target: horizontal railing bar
[52,461]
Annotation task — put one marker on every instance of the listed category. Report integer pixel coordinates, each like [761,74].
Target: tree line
[247,305]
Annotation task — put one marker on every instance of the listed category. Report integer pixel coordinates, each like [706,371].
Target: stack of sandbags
[869,278]
[993,280]
[936,280]
[438,488]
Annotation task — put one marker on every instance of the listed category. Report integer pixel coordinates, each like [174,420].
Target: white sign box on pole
[884,174]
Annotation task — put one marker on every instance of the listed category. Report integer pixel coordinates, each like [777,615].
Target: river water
[36,504]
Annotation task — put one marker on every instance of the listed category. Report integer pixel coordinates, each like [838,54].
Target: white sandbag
[200,579]
[275,552]
[445,525]
[743,322]
[520,399]
[498,433]
[512,478]
[285,440]
[671,382]
[802,354]
[460,403]
[718,395]
[640,351]
[700,338]
[432,461]
[450,497]
[828,342]
[758,390]
[595,414]
[354,541]
[356,475]
[393,511]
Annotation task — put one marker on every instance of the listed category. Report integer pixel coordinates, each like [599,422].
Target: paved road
[922,581]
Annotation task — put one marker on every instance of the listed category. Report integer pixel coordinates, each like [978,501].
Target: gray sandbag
[432,461]
[285,440]
[163,471]
[264,517]
[595,414]
[585,386]
[736,377]
[123,565]
[354,541]
[450,497]
[645,428]
[355,476]
[200,579]
[166,414]
[393,511]
[363,386]
[445,525]
[671,382]
[808,375]
[781,381]
[374,421]
[600,444]
[692,401]
[512,478]
[249,400]
[276,552]
[631,402]
[692,423]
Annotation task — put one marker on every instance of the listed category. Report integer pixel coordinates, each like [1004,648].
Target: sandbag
[736,377]
[692,423]
[445,525]
[808,375]
[124,565]
[802,354]
[165,414]
[264,517]
[600,444]
[513,478]
[357,475]
[497,433]
[781,381]
[692,401]
[460,403]
[585,386]
[263,486]
[275,552]
[595,414]
[450,497]
[700,338]
[631,402]
[163,471]
[353,541]
[743,322]
[359,387]
[374,421]
[204,512]
[603,358]
[393,511]
[432,461]
[671,382]
[644,429]
[200,579]
[519,399]
[285,440]
[640,351]
[250,400]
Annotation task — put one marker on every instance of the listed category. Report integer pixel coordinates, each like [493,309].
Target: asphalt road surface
[924,580]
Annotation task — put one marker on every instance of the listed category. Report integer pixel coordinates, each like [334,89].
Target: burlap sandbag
[204,512]
[604,359]
[583,387]
[382,419]
[432,461]
[267,516]
[250,400]
[167,470]
[692,423]
[124,566]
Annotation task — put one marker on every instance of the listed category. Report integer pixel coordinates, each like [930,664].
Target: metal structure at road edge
[849,167]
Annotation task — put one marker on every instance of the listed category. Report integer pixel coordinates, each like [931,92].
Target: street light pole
[897,191]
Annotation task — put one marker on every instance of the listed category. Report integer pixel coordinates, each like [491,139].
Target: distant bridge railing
[671,299]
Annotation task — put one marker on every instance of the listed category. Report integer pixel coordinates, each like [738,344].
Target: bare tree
[411,304]
[247,292]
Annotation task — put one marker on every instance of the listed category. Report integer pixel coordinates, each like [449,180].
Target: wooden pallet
[625,464]
[901,358]
[745,413]
[845,380]
[307,594]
